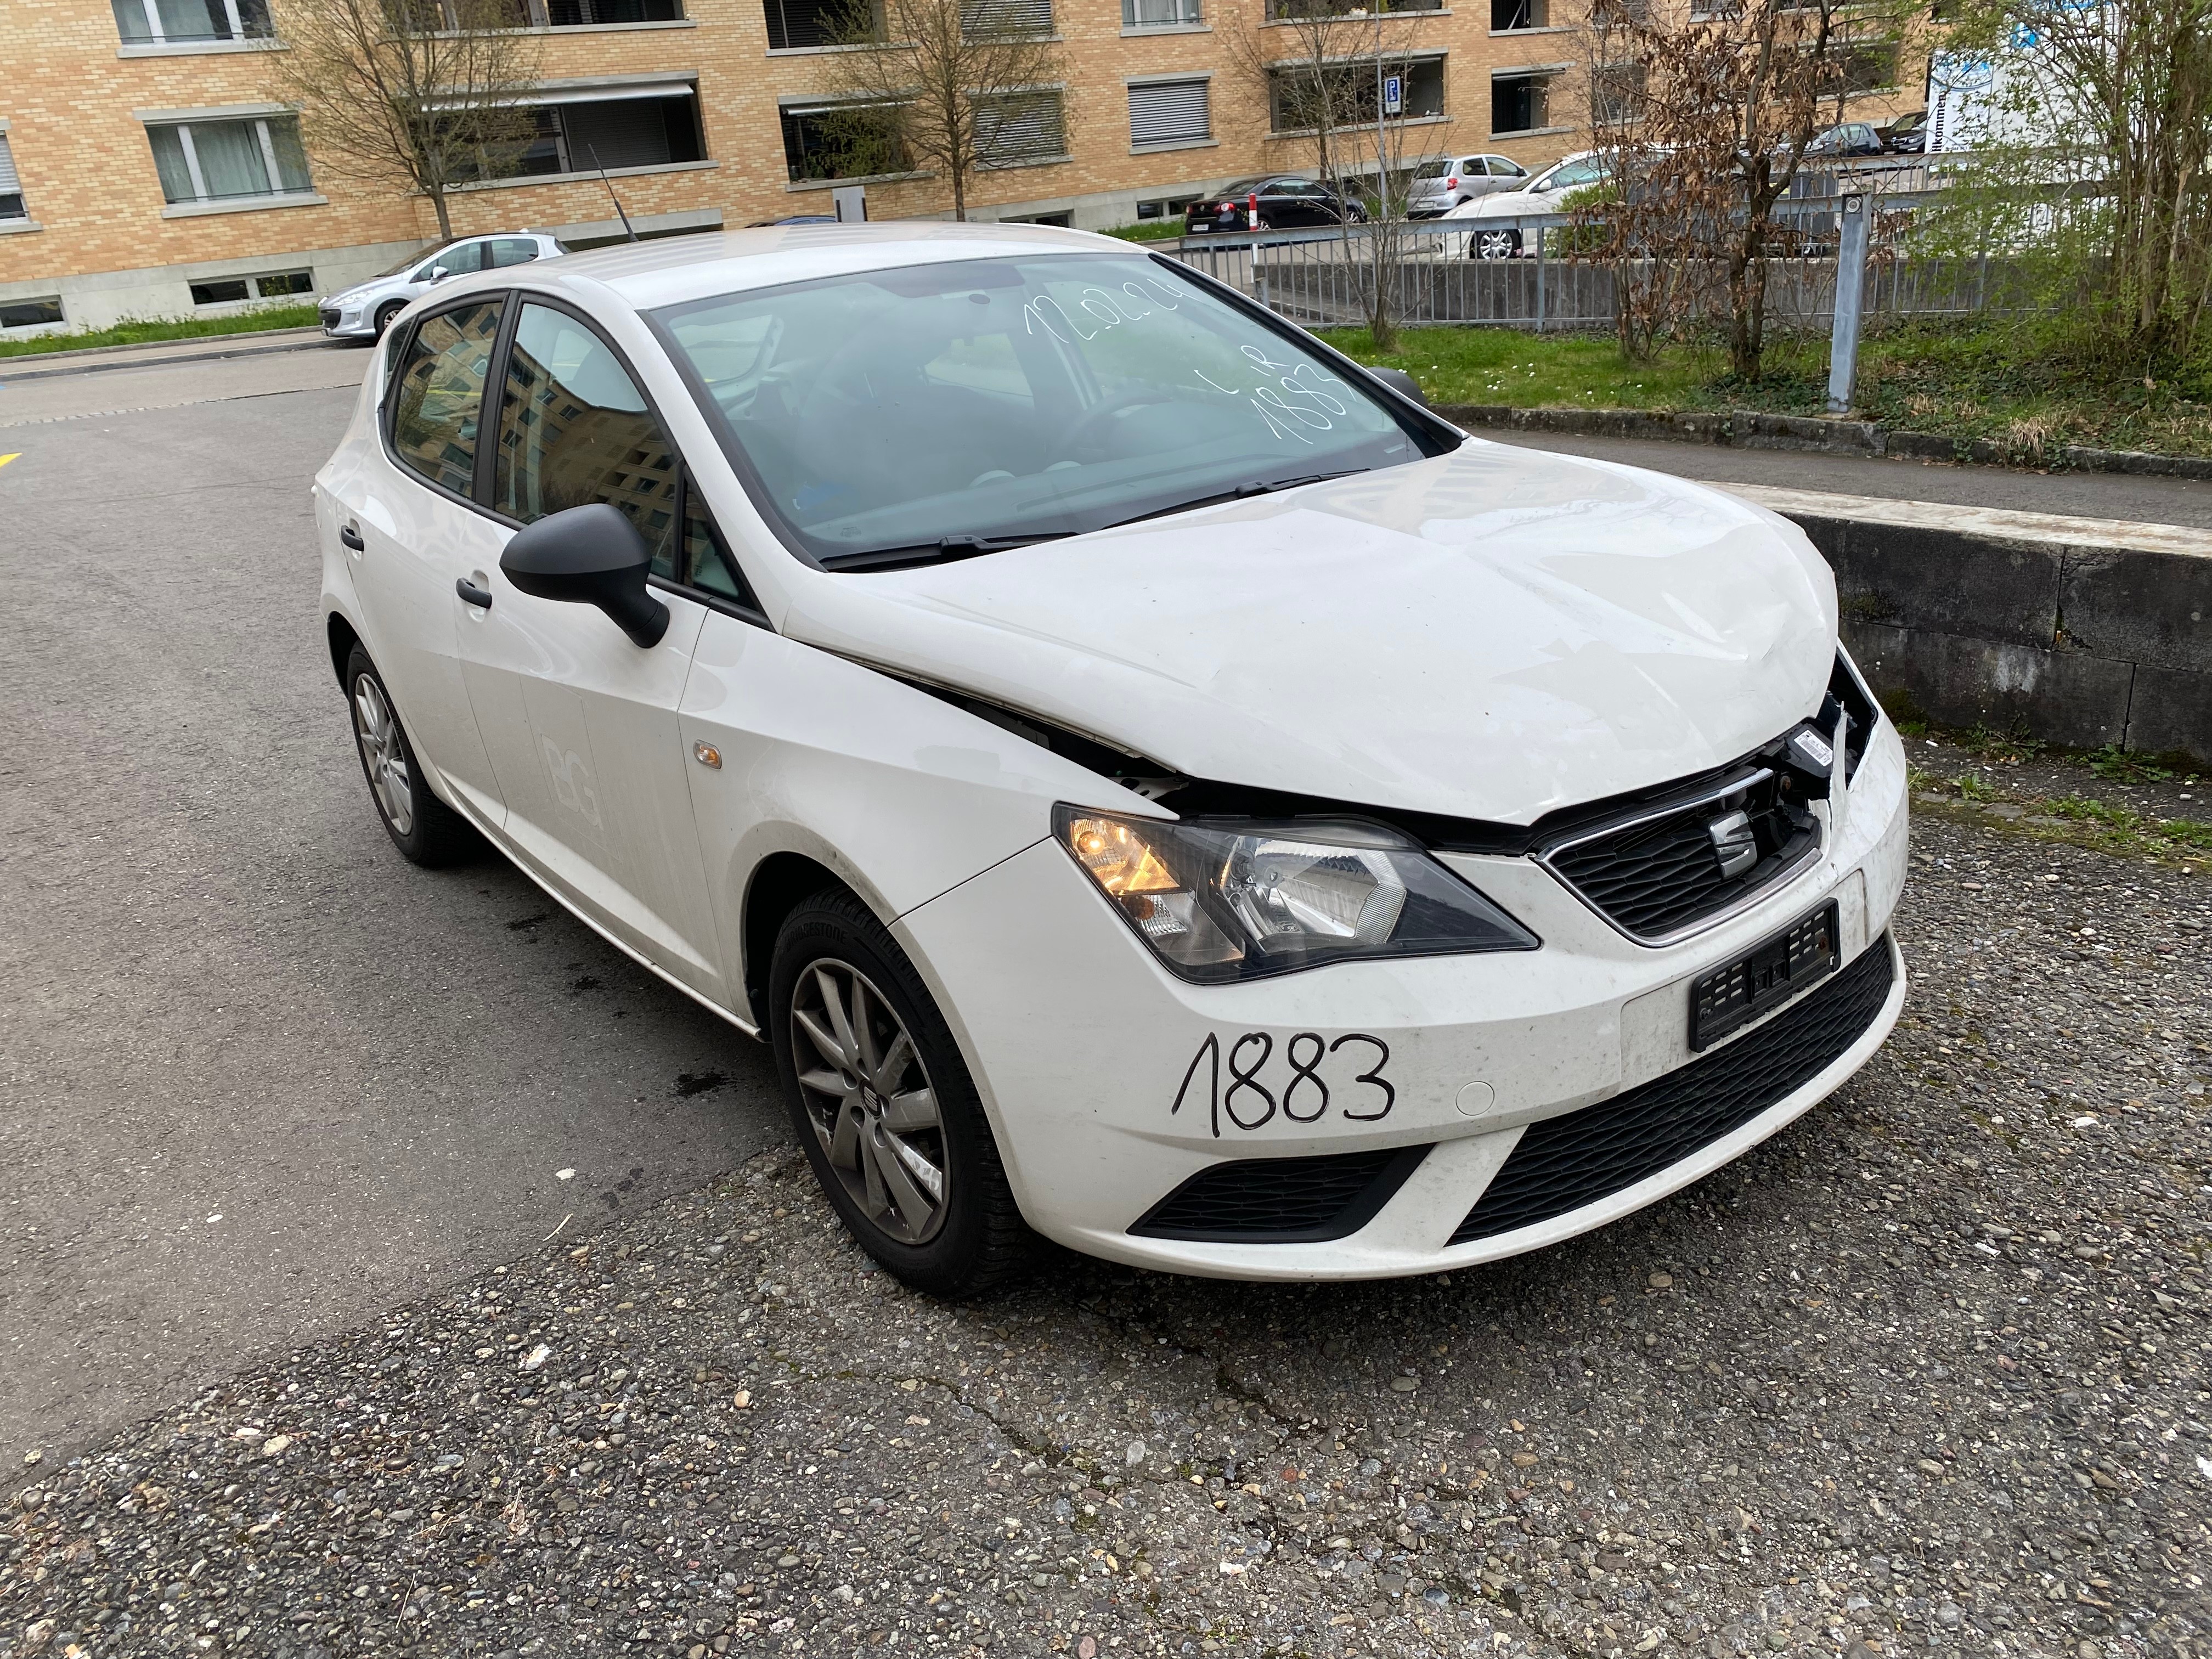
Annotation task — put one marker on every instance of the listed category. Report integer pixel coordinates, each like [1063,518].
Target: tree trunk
[959,193]
[437,194]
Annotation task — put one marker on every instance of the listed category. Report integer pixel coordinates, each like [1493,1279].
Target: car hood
[1491,634]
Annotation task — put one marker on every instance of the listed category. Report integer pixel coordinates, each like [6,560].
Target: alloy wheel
[869,1100]
[384,753]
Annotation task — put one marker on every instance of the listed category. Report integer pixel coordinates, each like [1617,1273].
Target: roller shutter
[1168,112]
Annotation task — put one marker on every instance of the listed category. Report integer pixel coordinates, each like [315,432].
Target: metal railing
[1524,271]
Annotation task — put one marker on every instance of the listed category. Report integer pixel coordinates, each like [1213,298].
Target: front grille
[1281,1200]
[1566,1162]
[1659,874]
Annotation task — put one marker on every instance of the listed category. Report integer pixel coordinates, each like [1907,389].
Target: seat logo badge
[1734,844]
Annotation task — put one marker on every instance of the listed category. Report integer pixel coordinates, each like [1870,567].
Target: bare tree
[1324,72]
[1705,118]
[949,87]
[413,95]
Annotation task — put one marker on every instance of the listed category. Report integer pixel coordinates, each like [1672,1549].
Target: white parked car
[1541,194]
[1153,783]
[364,311]
[1440,187]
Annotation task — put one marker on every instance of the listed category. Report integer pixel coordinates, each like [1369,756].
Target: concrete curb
[2084,632]
[1743,429]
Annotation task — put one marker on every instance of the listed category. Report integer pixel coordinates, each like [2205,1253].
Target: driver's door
[580,723]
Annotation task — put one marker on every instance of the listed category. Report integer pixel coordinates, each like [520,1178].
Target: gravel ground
[1927,1371]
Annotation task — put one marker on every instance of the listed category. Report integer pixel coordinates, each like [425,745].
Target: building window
[613,132]
[11,187]
[1617,92]
[982,18]
[190,22]
[1507,15]
[796,25]
[229,290]
[585,14]
[1014,127]
[1520,103]
[1278,10]
[1160,14]
[229,161]
[1868,68]
[841,140]
[1294,98]
[1169,113]
[30,313]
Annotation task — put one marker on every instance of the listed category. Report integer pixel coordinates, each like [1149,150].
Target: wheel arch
[343,638]
[780,884]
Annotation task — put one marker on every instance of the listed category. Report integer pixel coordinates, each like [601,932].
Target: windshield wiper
[943,551]
[1258,487]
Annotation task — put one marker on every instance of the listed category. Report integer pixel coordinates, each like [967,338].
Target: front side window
[460,259]
[573,428]
[226,160]
[438,394]
[1018,399]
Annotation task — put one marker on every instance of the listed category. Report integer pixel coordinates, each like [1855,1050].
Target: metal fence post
[1540,279]
[1850,295]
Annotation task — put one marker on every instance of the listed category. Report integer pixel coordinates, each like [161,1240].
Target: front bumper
[347,322]
[1111,1084]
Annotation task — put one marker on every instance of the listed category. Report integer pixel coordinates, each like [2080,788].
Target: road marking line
[4,460]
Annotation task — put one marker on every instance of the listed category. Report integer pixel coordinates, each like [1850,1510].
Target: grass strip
[148,331]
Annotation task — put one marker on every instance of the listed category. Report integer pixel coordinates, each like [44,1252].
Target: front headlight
[1239,898]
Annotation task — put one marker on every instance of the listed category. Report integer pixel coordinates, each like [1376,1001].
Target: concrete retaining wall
[2080,631]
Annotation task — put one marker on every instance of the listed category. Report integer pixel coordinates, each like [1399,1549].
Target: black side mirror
[589,555]
[1398,380]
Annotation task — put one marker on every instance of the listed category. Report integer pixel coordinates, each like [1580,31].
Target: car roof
[672,270]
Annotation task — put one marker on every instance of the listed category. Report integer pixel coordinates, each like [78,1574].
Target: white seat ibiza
[1153,781]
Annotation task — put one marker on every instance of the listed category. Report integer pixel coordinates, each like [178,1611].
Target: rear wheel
[424,829]
[883,1104]
[1493,245]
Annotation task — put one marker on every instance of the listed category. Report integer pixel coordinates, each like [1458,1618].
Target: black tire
[979,1241]
[1493,245]
[385,313]
[433,834]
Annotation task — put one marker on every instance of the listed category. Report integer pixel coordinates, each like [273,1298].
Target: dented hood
[1491,634]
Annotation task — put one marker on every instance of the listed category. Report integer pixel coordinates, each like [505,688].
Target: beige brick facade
[74,102]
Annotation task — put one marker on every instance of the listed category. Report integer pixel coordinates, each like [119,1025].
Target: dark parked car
[1906,136]
[1285,202]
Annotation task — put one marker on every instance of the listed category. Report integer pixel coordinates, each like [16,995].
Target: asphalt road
[261,1077]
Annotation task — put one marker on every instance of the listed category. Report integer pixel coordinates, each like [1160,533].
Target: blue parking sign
[1393,99]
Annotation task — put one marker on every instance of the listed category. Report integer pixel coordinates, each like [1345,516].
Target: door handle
[351,537]
[471,594]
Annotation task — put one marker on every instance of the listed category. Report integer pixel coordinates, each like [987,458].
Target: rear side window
[439,400]
[511,251]
[573,428]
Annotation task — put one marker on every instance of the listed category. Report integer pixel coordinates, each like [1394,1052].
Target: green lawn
[1149,230]
[143,331]
[1997,382]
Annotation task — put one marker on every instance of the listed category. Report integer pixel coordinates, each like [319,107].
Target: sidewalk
[159,354]
[2070,495]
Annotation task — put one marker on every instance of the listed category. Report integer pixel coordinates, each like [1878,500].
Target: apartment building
[145,171]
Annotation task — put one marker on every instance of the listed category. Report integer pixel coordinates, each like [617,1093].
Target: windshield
[1013,399]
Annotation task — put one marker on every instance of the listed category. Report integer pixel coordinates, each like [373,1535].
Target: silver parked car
[364,311]
[1440,187]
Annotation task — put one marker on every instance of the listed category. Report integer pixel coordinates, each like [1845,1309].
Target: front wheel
[385,313]
[883,1104]
[1493,245]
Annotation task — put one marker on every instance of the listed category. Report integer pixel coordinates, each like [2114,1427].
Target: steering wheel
[1080,427]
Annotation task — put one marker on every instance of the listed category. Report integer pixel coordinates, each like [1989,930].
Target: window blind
[1168,112]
